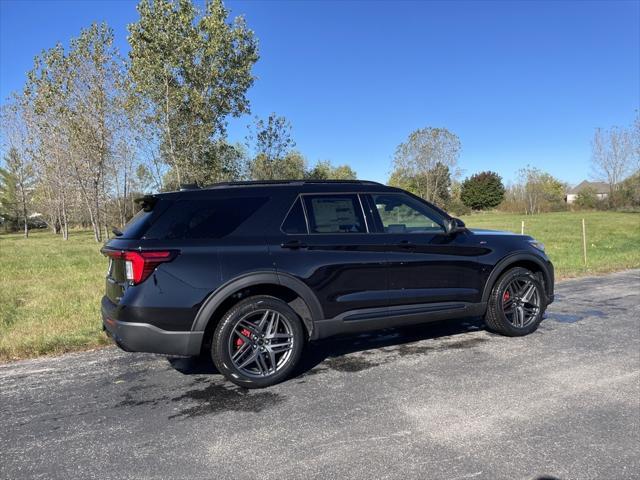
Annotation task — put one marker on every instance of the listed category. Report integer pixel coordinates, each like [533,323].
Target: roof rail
[361,182]
[288,182]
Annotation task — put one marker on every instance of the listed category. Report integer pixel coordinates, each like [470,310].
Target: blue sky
[519,82]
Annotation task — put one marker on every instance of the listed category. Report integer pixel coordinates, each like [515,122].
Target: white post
[584,242]
[522,228]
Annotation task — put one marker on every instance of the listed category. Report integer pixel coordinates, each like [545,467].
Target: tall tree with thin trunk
[190,71]
[96,105]
[18,170]
[272,143]
[18,184]
[45,99]
[612,156]
[426,162]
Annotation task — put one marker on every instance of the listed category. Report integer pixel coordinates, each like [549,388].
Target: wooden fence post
[584,242]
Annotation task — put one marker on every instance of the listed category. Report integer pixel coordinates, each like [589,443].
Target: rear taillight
[139,264]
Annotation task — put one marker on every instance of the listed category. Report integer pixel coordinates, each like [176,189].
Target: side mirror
[454,225]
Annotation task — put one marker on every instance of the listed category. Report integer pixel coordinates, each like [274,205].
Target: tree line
[427,165]
[92,130]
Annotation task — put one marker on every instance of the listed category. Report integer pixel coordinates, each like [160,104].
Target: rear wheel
[258,342]
[516,304]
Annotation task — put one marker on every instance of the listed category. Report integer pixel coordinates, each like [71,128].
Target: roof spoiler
[146,202]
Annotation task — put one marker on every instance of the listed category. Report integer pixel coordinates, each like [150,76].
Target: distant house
[600,188]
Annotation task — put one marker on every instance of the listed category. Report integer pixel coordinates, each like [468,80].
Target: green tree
[586,198]
[425,163]
[16,187]
[45,103]
[95,79]
[541,191]
[344,172]
[482,191]
[290,167]
[75,104]
[190,72]
[272,142]
[9,205]
[629,191]
[324,170]
[439,176]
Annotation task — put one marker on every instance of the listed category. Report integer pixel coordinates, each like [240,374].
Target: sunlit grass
[613,238]
[50,289]
[49,294]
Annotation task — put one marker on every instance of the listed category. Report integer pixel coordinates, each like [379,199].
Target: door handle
[293,244]
[405,244]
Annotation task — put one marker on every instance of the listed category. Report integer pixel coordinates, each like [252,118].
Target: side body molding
[509,260]
[310,312]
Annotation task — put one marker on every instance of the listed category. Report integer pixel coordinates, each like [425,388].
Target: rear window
[204,218]
[137,225]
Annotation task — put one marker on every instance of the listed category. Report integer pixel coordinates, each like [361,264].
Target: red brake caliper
[239,341]
[506,297]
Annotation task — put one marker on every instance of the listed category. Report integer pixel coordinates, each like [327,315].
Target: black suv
[249,271]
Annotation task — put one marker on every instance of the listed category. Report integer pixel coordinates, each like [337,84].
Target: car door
[324,241]
[425,265]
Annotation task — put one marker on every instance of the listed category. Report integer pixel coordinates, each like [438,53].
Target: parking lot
[436,401]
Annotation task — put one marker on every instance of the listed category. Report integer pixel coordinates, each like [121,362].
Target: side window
[402,214]
[295,221]
[334,214]
[204,218]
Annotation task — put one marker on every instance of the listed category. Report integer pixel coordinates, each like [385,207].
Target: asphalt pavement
[447,400]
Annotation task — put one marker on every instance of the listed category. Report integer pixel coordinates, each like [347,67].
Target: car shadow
[332,351]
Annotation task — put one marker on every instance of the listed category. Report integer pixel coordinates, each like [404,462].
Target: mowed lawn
[50,294]
[50,289]
[613,238]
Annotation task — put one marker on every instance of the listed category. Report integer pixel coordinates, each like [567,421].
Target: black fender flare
[215,299]
[509,260]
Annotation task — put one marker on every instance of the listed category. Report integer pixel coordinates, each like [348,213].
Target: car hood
[482,231]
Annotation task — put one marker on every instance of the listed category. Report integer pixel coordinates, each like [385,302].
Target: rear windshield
[203,218]
[135,227]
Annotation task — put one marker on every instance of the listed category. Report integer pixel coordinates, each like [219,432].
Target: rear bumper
[143,337]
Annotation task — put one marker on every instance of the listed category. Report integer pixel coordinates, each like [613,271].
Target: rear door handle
[293,244]
[405,244]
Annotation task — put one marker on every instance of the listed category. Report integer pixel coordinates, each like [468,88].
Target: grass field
[50,290]
[613,239]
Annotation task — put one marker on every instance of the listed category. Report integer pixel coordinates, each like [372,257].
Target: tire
[258,342]
[516,304]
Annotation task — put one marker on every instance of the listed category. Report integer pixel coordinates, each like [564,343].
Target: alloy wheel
[521,302]
[261,343]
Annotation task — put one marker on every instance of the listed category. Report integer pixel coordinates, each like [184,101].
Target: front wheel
[516,304]
[258,342]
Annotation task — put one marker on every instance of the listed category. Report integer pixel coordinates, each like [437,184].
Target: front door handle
[405,244]
[293,244]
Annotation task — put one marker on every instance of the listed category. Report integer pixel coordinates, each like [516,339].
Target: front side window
[334,214]
[402,214]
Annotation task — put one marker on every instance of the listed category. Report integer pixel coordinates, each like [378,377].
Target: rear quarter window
[204,218]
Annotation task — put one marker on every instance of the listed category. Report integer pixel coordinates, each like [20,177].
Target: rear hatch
[128,264]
